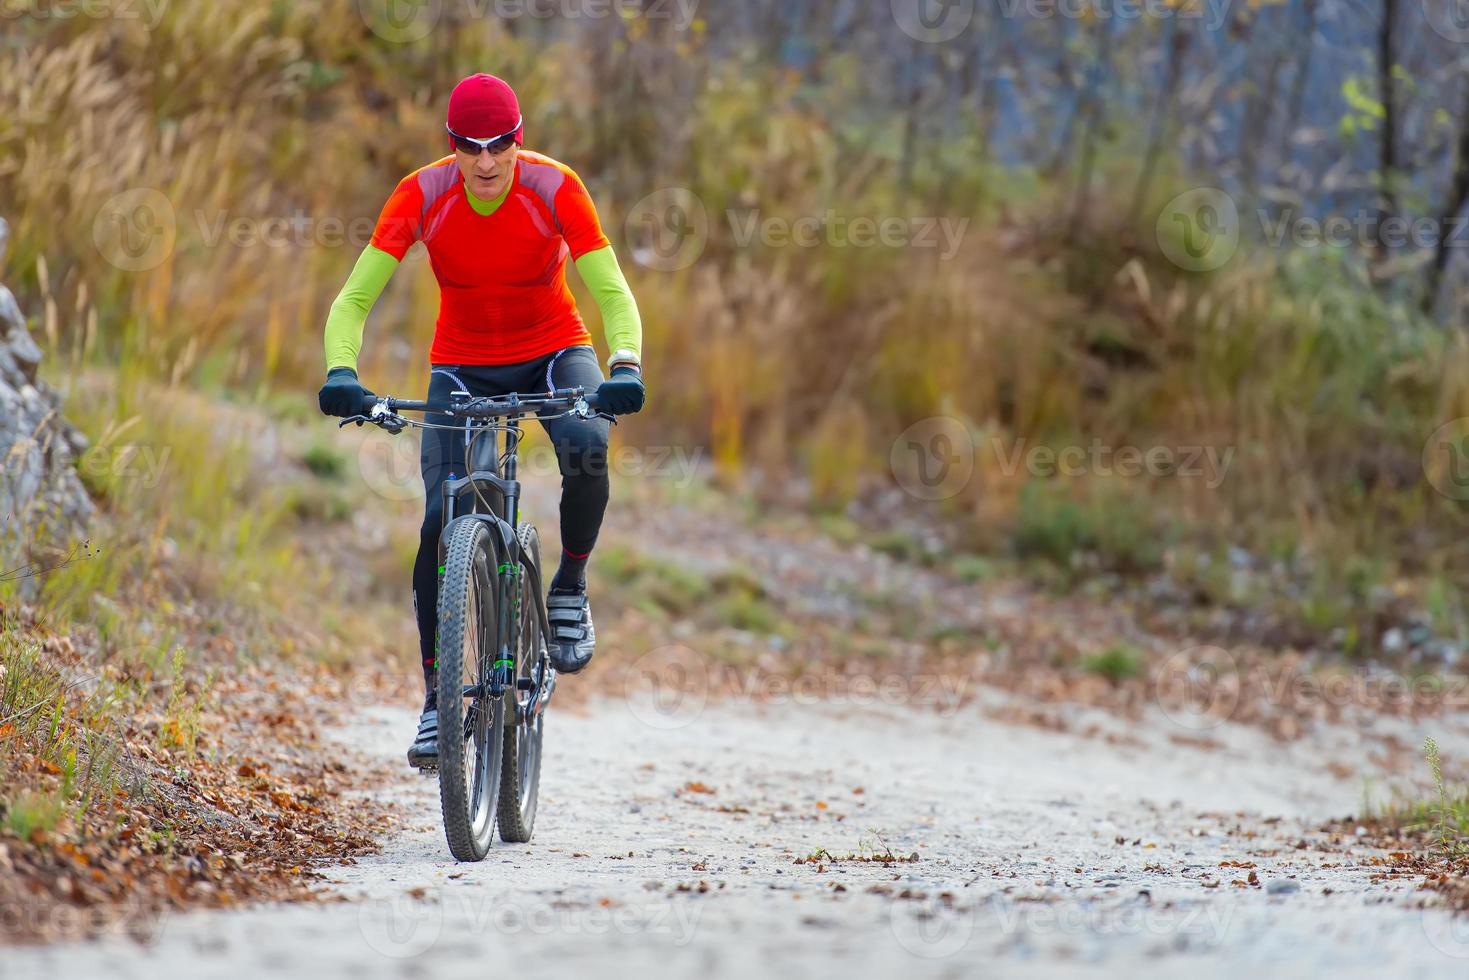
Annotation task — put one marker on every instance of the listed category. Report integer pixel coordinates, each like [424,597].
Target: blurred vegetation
[1057,322]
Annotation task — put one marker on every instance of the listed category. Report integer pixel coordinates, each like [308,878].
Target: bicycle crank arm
[548,686]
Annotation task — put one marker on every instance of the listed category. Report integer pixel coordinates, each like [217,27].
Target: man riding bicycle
[499,222]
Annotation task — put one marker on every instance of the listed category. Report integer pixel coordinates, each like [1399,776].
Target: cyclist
[499,223]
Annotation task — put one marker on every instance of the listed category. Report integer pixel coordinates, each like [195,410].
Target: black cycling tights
[581,453]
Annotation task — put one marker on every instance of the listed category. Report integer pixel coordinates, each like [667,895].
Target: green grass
[839,527]
[1444,816]
[28,688]
[31,811]
[319,504]
[181,720]
[65,729]
[1450,811]
[973,568]
[657,586]
[732,597]
[325,461]
[1120,529]
[1116,663]
[903,546]
[746,612]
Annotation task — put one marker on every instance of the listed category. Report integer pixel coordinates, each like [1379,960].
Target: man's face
[487,174]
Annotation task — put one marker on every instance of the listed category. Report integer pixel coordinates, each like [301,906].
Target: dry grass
[781,361]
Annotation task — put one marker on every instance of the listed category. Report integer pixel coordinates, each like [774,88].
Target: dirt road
[668,846]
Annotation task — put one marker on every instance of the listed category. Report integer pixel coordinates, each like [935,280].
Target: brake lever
[584,411]
[391,424]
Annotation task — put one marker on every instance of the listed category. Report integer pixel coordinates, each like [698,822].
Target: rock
[42,501]
[1282,886]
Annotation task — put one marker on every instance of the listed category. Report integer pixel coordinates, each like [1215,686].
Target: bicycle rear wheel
[525,725]
[471,728]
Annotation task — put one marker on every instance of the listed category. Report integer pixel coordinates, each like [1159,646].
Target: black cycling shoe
[424,752]
[573,638]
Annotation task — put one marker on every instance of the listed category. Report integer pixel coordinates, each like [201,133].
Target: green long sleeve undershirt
[349,310]
[621,323]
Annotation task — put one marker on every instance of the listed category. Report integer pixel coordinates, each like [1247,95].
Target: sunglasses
[495,144]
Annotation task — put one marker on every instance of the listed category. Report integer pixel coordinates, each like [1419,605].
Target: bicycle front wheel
[524,727]
[471,725]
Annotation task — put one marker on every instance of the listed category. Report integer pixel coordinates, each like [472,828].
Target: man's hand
[343,394]
[623,393]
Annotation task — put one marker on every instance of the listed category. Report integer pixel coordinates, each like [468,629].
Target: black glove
[343,394]
[623,393]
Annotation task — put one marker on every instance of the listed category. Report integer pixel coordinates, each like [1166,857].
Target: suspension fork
[513,436]
[512,589]
[505,552]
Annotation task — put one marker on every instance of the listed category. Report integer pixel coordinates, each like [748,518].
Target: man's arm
[576,217]
[349,311]
[621,323]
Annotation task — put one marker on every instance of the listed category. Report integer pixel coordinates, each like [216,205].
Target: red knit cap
[483,106]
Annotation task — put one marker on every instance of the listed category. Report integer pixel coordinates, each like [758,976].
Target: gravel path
[667,846]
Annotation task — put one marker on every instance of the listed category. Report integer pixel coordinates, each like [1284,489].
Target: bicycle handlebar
[500,406]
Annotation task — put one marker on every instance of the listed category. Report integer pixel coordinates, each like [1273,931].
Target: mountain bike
[495,677]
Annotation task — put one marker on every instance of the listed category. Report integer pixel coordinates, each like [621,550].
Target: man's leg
[581,453]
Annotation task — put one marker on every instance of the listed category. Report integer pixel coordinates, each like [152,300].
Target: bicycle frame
[493,497]
[503,515]
[484,484]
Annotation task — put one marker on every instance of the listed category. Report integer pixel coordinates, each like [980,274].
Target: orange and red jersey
[503,296]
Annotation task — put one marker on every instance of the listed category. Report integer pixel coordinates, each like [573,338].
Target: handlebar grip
[369,402]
